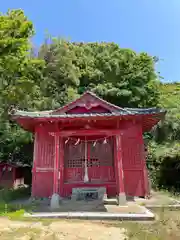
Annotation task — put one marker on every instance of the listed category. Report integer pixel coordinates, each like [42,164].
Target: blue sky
[152,26]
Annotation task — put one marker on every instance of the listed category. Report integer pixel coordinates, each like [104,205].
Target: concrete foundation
[121,199]
[55,201]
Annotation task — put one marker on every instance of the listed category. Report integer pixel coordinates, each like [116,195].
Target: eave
[147,117]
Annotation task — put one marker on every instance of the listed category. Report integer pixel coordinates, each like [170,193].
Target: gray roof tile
[130,111]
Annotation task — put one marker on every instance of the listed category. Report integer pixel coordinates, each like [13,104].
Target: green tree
[165,149]
[20,77]
[61,75]
[19,73]
[120,76]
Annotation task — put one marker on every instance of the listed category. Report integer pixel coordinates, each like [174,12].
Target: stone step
[148,216]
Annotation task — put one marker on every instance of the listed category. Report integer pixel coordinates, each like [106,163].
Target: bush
[7,195]
[164,166]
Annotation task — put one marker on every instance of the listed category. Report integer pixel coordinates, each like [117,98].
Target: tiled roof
[15,164]
[115,111]
[48,114]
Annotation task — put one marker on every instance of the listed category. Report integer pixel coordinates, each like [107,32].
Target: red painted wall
[12,178]
[42,184]
[42,173]
[133,161]
[6,177]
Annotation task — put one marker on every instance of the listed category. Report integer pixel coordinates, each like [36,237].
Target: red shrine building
[89,144]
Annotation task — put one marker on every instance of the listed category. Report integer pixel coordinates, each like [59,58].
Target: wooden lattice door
[74,159]
[92,161]
[101,161]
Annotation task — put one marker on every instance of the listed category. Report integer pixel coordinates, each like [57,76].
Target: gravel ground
[69,230]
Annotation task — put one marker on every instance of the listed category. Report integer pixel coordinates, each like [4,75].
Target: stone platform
[94,209]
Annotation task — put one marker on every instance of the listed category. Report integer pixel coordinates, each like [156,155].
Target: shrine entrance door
[89,161]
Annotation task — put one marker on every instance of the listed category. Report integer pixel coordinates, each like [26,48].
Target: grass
[172,194]
[13,210]
[8,195]
[166,227]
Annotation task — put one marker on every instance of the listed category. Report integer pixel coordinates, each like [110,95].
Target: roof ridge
[92,94]
[101,99]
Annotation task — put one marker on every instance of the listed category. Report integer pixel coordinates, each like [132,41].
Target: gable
[88,103]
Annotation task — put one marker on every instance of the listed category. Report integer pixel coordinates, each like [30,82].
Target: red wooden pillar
[35,156]
[145,173]
[146,182]
[145,170]
[61,166]
[121,197]
[56,164]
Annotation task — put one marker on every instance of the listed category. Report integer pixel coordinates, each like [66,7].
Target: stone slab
[81,193]
[147,216]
